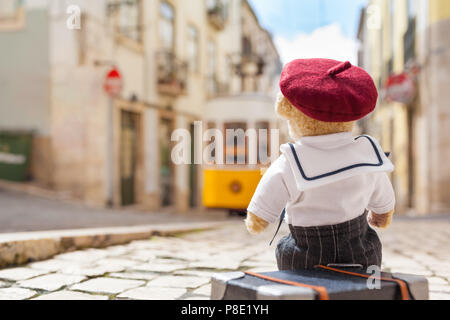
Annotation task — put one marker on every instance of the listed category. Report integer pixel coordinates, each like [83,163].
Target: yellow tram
[231,186]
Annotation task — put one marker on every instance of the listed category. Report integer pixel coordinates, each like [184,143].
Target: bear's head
[300,125]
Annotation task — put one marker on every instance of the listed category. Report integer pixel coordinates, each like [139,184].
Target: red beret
[329,90]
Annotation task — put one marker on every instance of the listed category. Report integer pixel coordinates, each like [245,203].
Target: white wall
[25,75]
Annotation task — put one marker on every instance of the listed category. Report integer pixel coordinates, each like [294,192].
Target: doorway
[166,173]
[128,157]
[193,172]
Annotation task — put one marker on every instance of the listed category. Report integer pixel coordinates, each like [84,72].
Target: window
[12,15]
[392,26]
[212,58]
[227,75]
[193,51]
[235,143]
[166,26]
[128,18]
[212,81]
[247,49]
[212,157]
[218,7]
[211,4]
[263,142]
[409,39]
[411,8]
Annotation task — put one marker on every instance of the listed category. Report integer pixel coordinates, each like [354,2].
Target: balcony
[171,74]
[249,65]
[216,88]
[217,14]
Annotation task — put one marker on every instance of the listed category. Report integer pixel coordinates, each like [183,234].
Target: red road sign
[113,83]
[400,88]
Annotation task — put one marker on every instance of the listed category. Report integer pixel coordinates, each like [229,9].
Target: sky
[312,28]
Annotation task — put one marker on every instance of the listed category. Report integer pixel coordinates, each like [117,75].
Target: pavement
[20,212]
[37,224]
[180,267]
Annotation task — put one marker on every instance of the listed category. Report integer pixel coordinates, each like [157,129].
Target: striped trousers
[352,242]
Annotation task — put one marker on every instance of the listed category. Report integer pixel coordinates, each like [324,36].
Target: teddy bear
[331,185]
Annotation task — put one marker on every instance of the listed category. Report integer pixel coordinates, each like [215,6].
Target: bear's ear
[283,107]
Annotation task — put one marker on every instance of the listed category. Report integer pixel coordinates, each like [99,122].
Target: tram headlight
[236,187]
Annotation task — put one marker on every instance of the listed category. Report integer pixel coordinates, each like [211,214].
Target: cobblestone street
[181,267]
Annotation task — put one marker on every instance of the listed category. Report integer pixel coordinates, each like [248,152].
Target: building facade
[405,47]
[173,57]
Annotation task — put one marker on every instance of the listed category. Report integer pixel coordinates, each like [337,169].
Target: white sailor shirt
[325,180]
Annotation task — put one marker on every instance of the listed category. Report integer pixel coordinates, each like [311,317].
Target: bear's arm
[382,202]
[272,193]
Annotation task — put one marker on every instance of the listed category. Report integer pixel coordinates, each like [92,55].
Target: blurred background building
[173,56]
[182,61]
[405,46]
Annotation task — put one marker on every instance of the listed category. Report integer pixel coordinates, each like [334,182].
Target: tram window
[235,143]
[211,125]
[263,141]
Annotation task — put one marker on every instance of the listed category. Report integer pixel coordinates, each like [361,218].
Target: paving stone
[444,274]
[422,272]
[118,250]
[149,293]
[115,264]
[107,285]
[134,275]
[51,282]
[441,265]
[16,294]
[53,265]
[17,274]
[90,271]
[84,255]
[71,268]
[258,264]
[159,267]
[151,256]
[142,255]
[437,281]
[402,262]
[203,291]
[440,288]
[192,255]
[216,264]
[439,296]
[168,260]
[268,257]
[70,295]
[146,244]
[197,298]
[196,273]
[178,282]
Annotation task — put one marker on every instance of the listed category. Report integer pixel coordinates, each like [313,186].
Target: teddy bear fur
[300,125]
